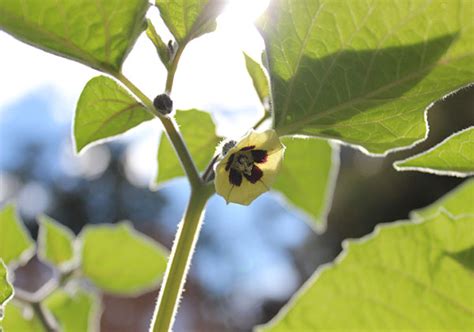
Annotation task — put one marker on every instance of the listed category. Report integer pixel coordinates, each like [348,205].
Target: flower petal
[255,176]
[259,156]
[267,140]
[235,177]
[262,176]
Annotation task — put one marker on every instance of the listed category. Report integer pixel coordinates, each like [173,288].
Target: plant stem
[179,261]
[262,120]
[171,130]
[173,67]
[42,317]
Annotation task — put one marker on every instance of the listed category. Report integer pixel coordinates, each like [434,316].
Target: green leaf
[365,72]
[56,244]
[6,289]
[16,245]
[457,202]
[307,177]
[454,156]
[161,48]
[402,277]
[104,110]
[198,130]
[120,260]
[259,79]
[74,311]
[20,317]
[99,34]
[189,19]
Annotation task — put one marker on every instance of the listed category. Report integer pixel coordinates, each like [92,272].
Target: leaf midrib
[285,130]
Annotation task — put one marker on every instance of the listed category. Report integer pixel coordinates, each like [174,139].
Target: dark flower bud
[227,146]
[163,104]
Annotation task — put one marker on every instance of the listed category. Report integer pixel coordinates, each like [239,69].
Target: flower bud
[163,104]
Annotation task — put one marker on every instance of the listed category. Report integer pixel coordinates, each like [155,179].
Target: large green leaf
[120,260]
[405,276]
[56,244]
[104,110]
[16,245]
[457,202]
[307,177]
[365,71]
[198,130]
[6,289]
[188,19]
[259,79]
[21,318]
[453,156]
[98,33]
[76,311]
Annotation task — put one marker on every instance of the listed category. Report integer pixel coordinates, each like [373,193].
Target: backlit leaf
[259,79]
[307,177]
[74,311]
[20,317]
[198,130]
[454,156]
[457,202]
[364,72]
[104,110]
[56,244]
[402,277]
[16,245]
[120,260]
[6,289]
[188,19]
[99,34]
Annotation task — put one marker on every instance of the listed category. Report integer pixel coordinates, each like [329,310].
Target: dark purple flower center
[242,164]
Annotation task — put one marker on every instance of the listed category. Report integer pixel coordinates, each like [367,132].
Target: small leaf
[6,289]
[259,79]
[20,317]
[105,110]
[120,260]
[454,156]
[198,130]
[398,278]
[458,201]
[307,177]
[56,244]
[189,19]
[74,311]
[99,34]
[161,48]
[16,245]
[363,72]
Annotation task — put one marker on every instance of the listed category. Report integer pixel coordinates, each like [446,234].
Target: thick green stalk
[179,261]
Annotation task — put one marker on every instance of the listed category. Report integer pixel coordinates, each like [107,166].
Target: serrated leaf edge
[342,255]
[397,165]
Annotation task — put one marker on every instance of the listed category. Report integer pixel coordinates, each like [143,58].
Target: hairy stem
[171,130]
[173,67]
[179,261]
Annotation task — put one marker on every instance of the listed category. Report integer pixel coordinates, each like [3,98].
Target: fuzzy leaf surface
[105,110]
[120,260]
[454,156]
[307,176]
[364,72]
[99,34]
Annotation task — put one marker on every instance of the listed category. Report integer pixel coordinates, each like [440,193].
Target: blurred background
[249,260]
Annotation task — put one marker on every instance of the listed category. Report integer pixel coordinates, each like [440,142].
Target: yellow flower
[248,169]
